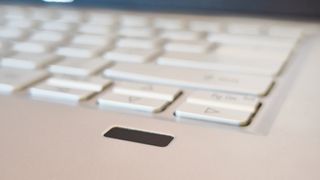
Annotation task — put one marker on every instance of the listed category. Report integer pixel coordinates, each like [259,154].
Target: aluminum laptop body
[141,90]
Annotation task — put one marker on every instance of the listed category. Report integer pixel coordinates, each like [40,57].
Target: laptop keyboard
[143,63]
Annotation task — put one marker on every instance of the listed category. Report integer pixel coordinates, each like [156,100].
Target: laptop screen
[270,7]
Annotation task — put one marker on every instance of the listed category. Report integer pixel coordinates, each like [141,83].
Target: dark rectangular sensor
[137,136]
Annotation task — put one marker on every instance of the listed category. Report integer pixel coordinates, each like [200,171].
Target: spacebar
[191,78]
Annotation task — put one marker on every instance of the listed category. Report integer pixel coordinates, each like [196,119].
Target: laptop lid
[306,8]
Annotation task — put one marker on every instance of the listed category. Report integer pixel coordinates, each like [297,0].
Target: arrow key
[213,114]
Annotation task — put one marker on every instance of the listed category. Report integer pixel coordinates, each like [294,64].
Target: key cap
[13,80]
[28,60]
[170,24]
[101,19]
[94,40]
[190,78]
[68,16]
[181,35]
[130,55]
[132,103]
[34,47]
[269,67]
[252,40]
[48,36]
[138,43]
[289,32]
[76,67]
[95,29]
[45,91]
[213,114]
[225,100]
[205,26]
[147,90]
[25,24]
[93,83]
[56,26]
[250,29]
[134,21]
[134,32]
[12,33]
[15,13]
[42,14]
[187,46]
[79,51]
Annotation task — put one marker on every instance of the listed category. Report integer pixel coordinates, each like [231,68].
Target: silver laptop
[161,90]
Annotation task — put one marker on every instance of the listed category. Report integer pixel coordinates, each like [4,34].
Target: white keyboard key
[94,40]
[206,79]
[172,24]
[79,51]
[34,47]
[45,91]
[12,33]
[13,80]
[95,29]
[250,29]
[28,60]
[93,83]
[146,90]
[204,26]
[181,35]
[49,36]
[101,19]
[134,21]
[290,32]
[56,26]
[187,46]
[213,114]
[21,24]
[237,39]
[130,55]
[225,100]
[42,14]
[257,66]
[138,43]
[136,32]
[16,13]
[76,67]
[69,17]
[132,103]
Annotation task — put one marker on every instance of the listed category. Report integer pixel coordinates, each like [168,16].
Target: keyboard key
[170,24]
[134,32]
[181,35]
[101,19]
[79,51]
[96,29]
[28,60]
[34,47]
[213,114]
[12,33]
[205,26]
[134,21]
[14,80]
[138,43]
[225,100]
[56,26]
[48,36]
[45,91]
[25,24]
[237,39]
[187,46]
[147,90]
[132,103]
[269,67]
[130,55]
[250,29]
[76,67]
[190,78]
[93,83]
[281,31]
[93,40]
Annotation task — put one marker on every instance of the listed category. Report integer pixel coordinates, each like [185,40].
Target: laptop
[162,90]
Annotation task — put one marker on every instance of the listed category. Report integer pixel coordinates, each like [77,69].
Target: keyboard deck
[197,69]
